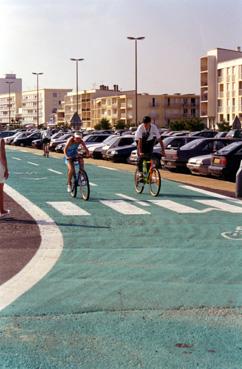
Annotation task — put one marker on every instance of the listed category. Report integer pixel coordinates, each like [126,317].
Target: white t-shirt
[143,133]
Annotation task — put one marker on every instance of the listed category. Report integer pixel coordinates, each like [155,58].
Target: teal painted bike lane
[159,289]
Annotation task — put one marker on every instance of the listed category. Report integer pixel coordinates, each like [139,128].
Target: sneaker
[69,188]
[5,214]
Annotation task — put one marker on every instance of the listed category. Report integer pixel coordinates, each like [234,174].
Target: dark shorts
[46,140]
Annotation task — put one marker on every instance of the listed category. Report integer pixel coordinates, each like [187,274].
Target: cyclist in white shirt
[146,136]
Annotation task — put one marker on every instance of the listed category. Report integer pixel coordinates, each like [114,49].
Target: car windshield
[192,144]
[229,148]
[110,140]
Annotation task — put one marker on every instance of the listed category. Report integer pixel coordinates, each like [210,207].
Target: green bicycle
[151,176]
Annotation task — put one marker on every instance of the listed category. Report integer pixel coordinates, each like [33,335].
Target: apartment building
[83,103]
[179,106]
[221,86]
[10,105]
[10,84]
[49,100]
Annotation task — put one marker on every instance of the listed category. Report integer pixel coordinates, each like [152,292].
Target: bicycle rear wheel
[84,185]
[154,181]
[73,186]
[139,186]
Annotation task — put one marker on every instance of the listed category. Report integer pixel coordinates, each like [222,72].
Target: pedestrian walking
[3,177]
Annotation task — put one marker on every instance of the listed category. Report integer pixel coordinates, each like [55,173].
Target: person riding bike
[71,154]
[46,136]
[146,136]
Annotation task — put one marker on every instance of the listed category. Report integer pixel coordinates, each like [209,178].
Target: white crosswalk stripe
[142,203]
[221,205]
[14,157]
[31,163]
[67,208]
[124,207]
[178,208]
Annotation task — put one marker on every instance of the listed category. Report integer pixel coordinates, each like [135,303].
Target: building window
[153,102]
[54,94]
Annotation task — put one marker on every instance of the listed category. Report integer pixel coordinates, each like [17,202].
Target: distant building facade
[221,86]
[10,107]
[15,84]
[50,101]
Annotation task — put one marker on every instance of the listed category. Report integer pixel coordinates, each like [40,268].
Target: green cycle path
[139,282]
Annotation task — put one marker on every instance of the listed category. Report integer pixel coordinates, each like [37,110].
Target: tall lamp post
[37,74]
[135,39]
[76,61]
[9,111]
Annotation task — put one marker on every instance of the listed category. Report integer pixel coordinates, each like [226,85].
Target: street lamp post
[37,74]
[9,111]
[76,61]
[135,39]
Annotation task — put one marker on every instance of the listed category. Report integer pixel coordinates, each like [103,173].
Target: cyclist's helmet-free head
[77,134]
[146,119]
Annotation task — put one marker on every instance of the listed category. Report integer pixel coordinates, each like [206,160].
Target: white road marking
[67,208]
[123,207]
[30,162]
[221,205]
[101,166]
[142,203]
[179,208]
[43,261]
[92,184]
[14,157]
[54,171]
[210,193]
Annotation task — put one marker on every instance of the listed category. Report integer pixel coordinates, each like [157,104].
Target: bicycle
[80,180]
[151,176]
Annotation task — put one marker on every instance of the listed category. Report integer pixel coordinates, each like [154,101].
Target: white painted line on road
[124,207]
[93,184]
[178,208]
[14,157]
[30,162]
[67,208]
[54,171]
[142,203]
[221,205]
[43,261]
[101,166]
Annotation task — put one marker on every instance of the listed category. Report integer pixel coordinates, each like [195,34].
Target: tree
[190,124]
[120,124]
[223,126]
[103,124]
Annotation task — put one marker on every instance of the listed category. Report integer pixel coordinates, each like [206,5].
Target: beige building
[85,99]
[179,106]
[221,86]
[161,108]
[10,105]
[49,102]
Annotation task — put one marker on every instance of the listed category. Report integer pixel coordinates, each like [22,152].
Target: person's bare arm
[4,159]
[69,141]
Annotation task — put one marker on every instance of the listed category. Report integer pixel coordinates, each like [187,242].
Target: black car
[234,133]
[120,154]
[27,141]
[226,161]
[177,159]
[207,133]
[37,144]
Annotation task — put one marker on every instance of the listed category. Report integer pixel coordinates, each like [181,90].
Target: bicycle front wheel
[73,186]
[84,185]
[155,182]
[139,186]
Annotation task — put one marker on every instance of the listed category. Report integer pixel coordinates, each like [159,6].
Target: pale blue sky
[41,36]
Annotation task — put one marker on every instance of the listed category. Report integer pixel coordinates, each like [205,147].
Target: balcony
[220,109]
[220,79]
[204,97]
[220,94]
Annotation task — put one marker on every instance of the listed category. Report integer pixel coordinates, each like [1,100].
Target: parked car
[112,142]
[221,134]
[37,144]
[199,164]
[95,138]
[120,154]
[6,133]
[9,139]
[204,133]
[234,133]
[98,146]
[226,161]
[56,141]
[26,141]
[177,159]
[174,142]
